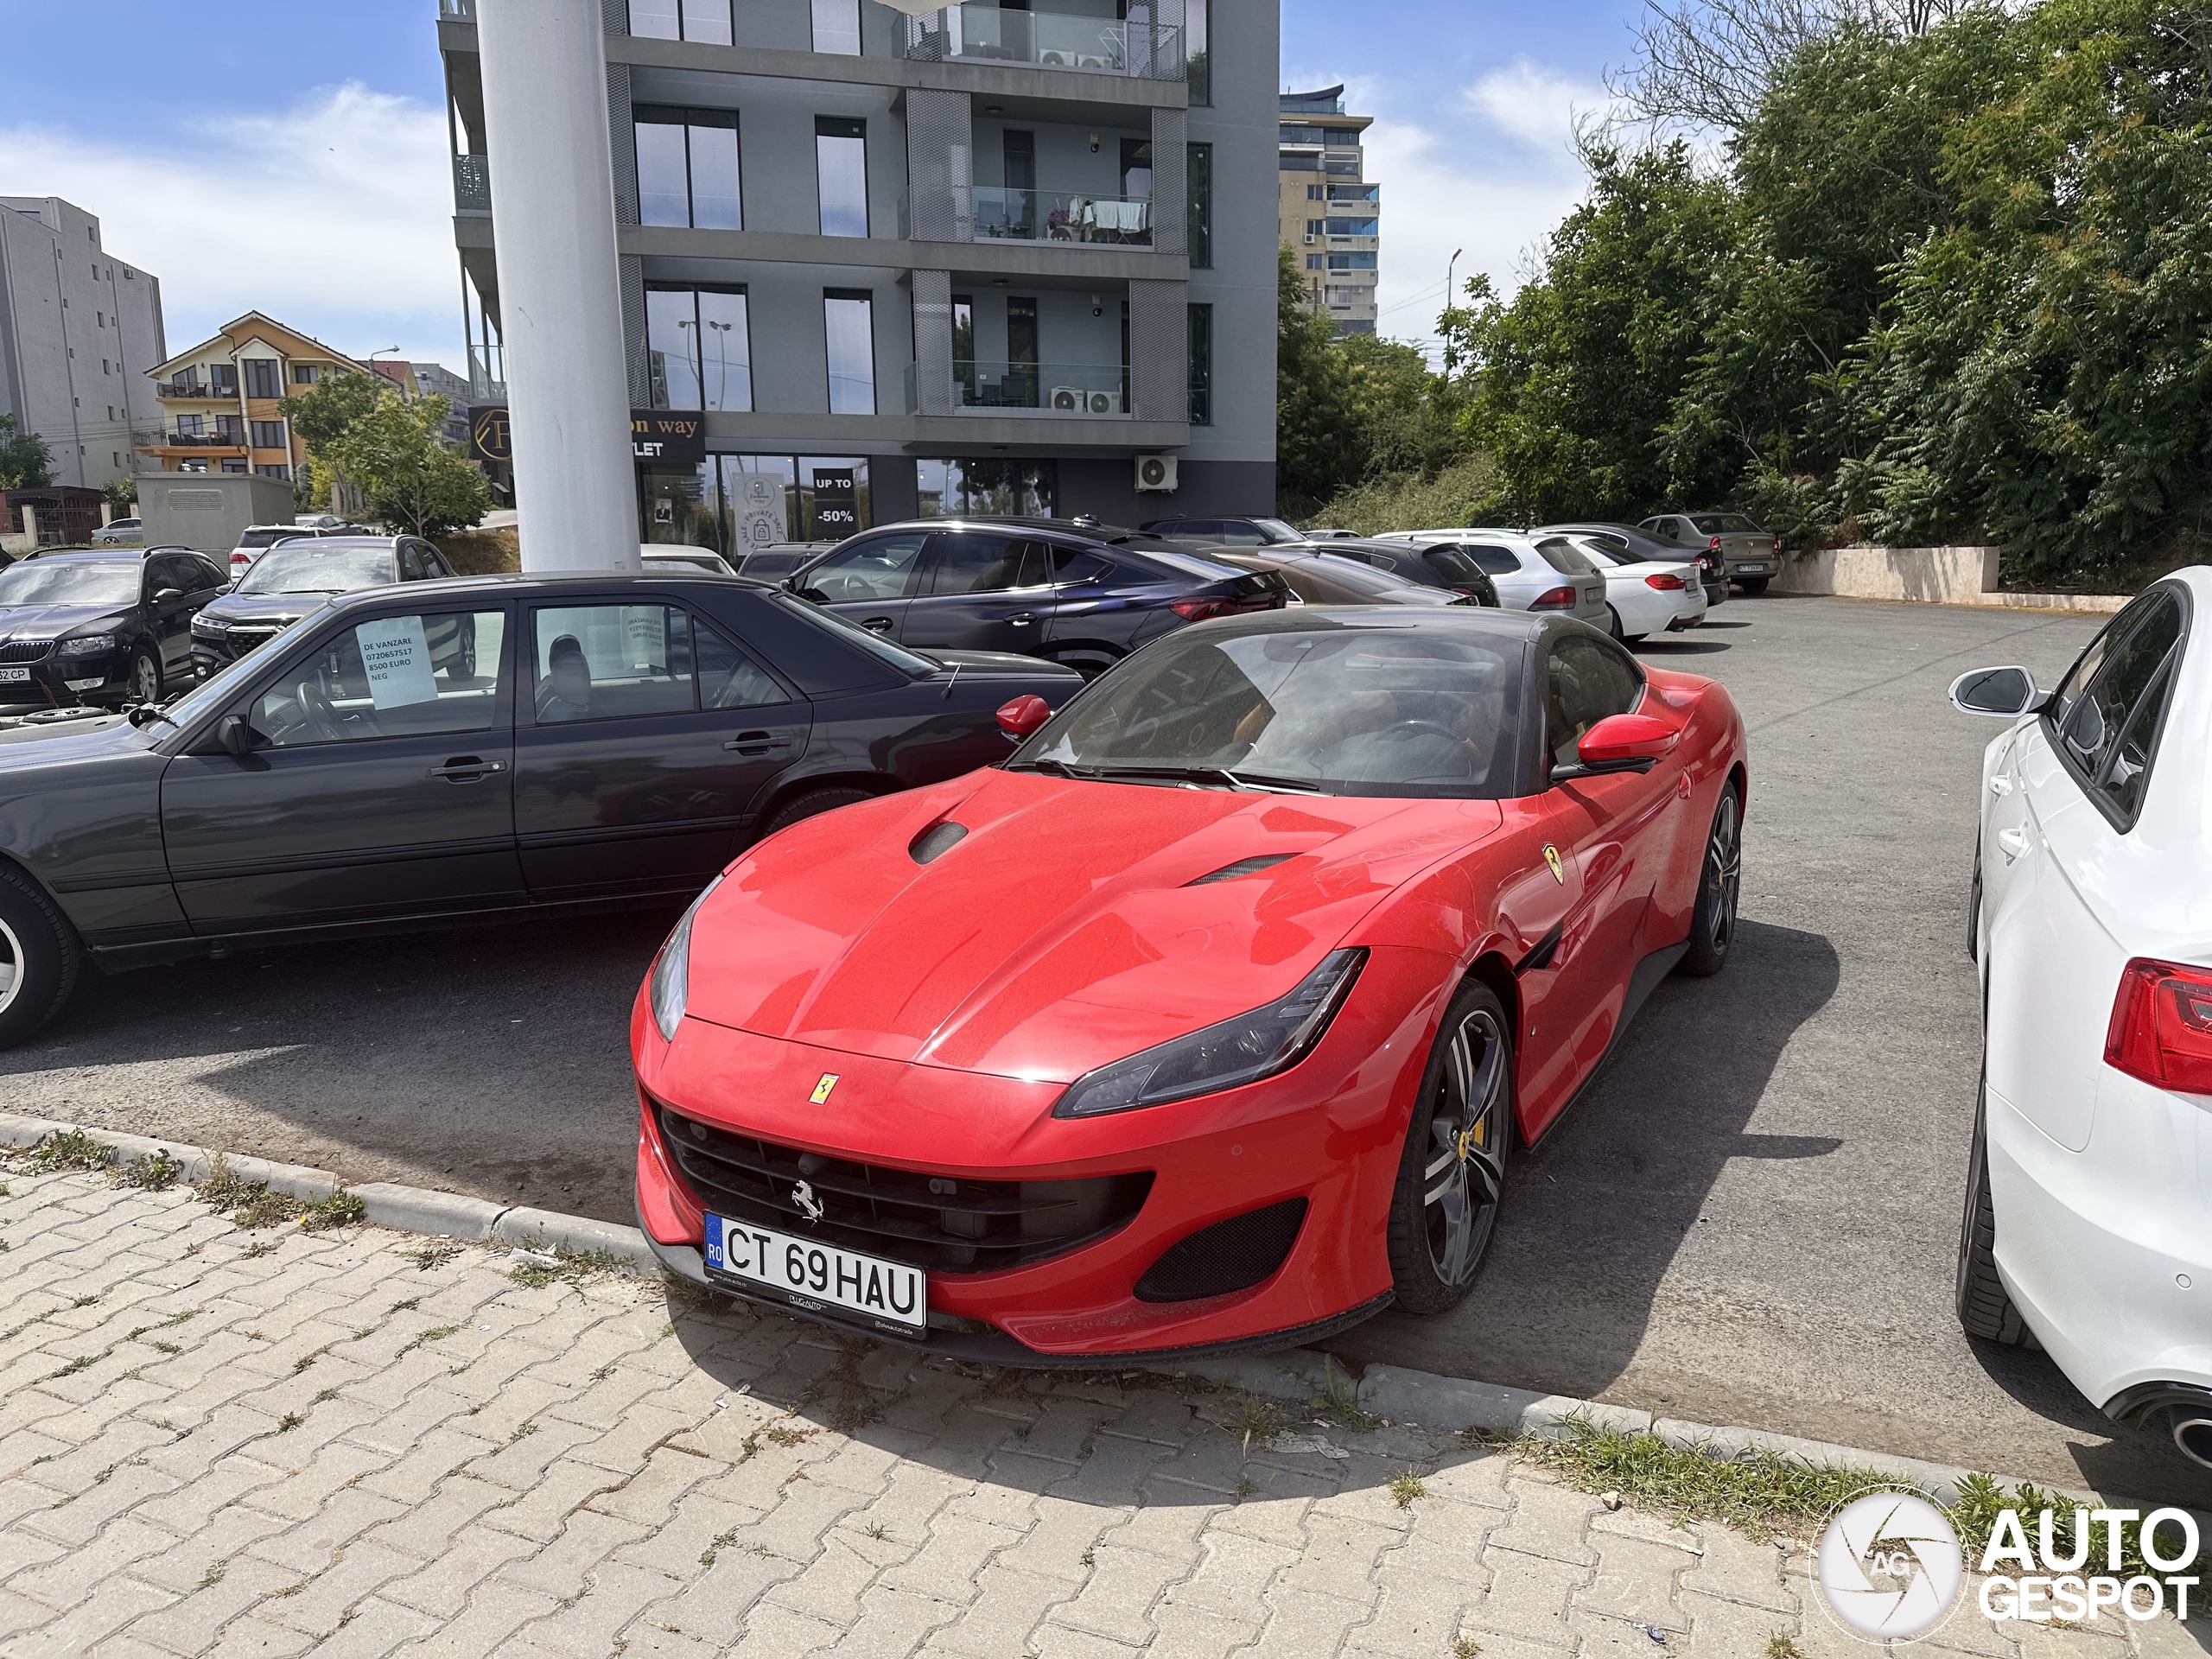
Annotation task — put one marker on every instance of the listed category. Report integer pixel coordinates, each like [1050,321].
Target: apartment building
[986,259]
[1332,217]
[78,330]
[216,402]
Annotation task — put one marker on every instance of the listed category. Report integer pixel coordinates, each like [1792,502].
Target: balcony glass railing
[988,214]
[1078,389]
[472,184]
[1055,39]
[487,374]
[457,11]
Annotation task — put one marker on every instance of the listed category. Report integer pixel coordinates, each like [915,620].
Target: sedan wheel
[1713,923]
[1452,1177]
[38,957]
[144,684]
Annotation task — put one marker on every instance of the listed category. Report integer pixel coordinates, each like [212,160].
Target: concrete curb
[1393,1392]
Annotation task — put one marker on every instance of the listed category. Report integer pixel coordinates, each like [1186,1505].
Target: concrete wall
[1934,575]
[206,512]
[78,330]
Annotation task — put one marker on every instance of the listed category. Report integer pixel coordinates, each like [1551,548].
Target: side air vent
[1232,1255]
[1241,867]
[938,838]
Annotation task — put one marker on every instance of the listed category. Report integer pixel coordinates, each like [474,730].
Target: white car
[1530,574]
[1646,596]
[2090,1180]
[680,556]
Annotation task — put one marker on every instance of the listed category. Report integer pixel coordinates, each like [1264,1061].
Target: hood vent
[939,838]
[1241,867]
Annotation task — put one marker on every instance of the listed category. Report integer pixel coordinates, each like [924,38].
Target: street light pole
[544,70]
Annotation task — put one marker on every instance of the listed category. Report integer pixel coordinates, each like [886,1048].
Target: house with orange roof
[218,399]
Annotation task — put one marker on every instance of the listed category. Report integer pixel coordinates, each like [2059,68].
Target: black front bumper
[995,1347]
[49,682]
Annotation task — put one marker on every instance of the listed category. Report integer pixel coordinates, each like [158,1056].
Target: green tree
[395,455]
[25,462]
[1313,398]
[122,495]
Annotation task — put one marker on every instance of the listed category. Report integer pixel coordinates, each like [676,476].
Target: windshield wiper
[1061,767]
[1259,781]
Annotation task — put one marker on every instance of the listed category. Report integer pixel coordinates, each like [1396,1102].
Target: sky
[323,198]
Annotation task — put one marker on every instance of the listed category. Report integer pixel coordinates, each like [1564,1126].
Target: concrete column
[545,67]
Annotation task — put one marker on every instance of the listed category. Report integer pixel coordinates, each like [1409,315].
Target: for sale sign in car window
[395,658]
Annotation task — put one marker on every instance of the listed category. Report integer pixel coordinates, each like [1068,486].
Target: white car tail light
[1560,599]
[1666,581]
[2161,1029]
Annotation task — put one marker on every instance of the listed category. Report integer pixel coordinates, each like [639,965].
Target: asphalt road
[1751,1219]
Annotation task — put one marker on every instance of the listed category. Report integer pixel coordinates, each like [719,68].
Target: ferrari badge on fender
[1551,857]
[829,1079]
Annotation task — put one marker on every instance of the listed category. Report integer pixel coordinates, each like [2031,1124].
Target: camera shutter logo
[1889,1567]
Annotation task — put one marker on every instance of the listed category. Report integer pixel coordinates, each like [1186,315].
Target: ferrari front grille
[940,1223]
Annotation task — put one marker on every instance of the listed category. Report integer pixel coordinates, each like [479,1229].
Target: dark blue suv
[1083,594]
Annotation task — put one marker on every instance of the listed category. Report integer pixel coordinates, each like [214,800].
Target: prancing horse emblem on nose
[809,1206]
[1551,857]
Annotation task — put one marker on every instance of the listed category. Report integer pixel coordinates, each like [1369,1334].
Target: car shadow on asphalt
[1671,648]
[1595,1214]
[2116,1464]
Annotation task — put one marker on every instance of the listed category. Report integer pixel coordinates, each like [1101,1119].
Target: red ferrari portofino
[1213,1017]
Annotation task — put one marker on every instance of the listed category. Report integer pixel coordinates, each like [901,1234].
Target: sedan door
[369,781]
[649,735]
[981,590]
[870,582]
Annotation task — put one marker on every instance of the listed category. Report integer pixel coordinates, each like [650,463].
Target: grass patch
[82,1362]
[155,1174]
[1465,1647]
[426,1256]
[1779,1646]
[1339,1402]
[265,1246]
[1405,1487]
[265,1209]
[223,1190]
[777,1434]
[337,1210]
[521,1431]
[71,1149]
[290,1421]
[568,1267]
[1256,1418]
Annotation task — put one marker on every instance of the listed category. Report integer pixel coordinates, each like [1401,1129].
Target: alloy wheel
[1724,870]
[145,679]
[11,966]
[1465,1174]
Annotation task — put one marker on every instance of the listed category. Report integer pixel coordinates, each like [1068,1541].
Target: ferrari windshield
[1360,711]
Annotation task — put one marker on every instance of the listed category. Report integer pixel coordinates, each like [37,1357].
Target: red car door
[1611,833]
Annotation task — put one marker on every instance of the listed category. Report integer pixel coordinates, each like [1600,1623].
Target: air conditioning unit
[1067,398]
[1156,472]
[1310,238]
[1101,402]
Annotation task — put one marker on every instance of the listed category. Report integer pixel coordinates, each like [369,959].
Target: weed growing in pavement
[302,1363]
[83,1362]
[1760,1494]
[264,1247]
[84,1301]
[1255,1419]
[212,1577]
[71,1149]
[875,1529]
[522,1430]
[1339,1402]
[265,1209]
[336,1210]
[1980,1498]
[411,1302]
[165,1347]
[4,1189]
[1405,1487]
[568,1267]
[327,1394]
[150,1174]
[1465,1647]
[222,1190]
[722,1542]
[1246,1486]
[1779,1646]
[778,1435]
[426,1256]
[1090,1558]
[290,1421]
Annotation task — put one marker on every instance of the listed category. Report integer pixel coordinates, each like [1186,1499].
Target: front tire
[39,957]
[813,802]
[1451,1174]
[1613,625]
[1713,920]
[143,683]
[1984,1308]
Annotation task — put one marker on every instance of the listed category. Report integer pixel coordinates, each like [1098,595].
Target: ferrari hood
[1072,923]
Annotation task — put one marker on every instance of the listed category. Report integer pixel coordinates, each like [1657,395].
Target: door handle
[2000,784]
[755,743]
[881,624]
[1022,618]
[2012,843]
[466,769]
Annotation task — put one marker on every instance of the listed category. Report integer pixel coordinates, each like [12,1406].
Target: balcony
[1086,390]
[988,214]
[1051,39]
[487,374]
[472,184]
[181,389]
[457,11]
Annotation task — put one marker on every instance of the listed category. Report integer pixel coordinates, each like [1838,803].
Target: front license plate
[816,1276]
[14,676]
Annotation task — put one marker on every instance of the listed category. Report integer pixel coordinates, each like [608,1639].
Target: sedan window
[1726,524]
[879,568]
[1586,681]
[1451,563]
[1071,566]
[2093,725]
[610,661]
[972,562]
[728,677]
[393,676]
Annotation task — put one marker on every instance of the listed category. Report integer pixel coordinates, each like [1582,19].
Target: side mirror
[232,733]
[1024,715]
[2001,692]
[1620,743]
[167,593]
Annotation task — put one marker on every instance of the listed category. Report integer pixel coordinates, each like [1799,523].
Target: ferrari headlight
[1240,1051]
[87,645]
[669,988]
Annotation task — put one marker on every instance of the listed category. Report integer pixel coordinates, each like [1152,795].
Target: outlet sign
[661,438]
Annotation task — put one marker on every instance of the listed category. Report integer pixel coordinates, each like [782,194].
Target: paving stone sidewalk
[360,1443]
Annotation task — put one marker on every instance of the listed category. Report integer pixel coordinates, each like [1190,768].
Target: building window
[1354,226]
[698,347]
[1351,262]
[223,379]
[1201,365]
[231,427]
[1194,51]
[269,435]
[1313,262]
[837,27]
[305,374]
[706,20]
[848,331]
[840,174]
[1198,182]
[1316,192]
[1313,227]
[263,377]
[228,466]
[187,426]
[1025,489]
[687,168]
[265,472]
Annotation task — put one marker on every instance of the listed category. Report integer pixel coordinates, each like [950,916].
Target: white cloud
[334,217]
[1491,178]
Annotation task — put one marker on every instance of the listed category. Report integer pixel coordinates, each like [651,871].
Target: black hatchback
[292,578]
[1080,594]
[1442,566]
[109,626]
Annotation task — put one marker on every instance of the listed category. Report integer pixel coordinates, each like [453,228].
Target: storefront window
[833,496]
[682,505]
[953,489]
